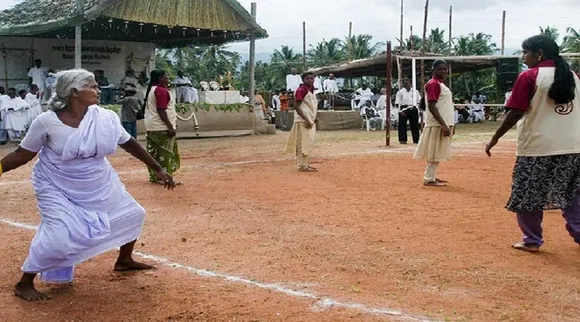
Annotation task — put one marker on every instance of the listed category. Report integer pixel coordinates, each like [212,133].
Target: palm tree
[473,44]
[326,53]
[571,42]
[360,46]
[286,57]
[436,42]
[412,43]
[550,32]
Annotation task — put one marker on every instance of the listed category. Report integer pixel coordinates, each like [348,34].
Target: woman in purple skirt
[545,105]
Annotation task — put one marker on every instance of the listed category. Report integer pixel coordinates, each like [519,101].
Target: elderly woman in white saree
[85,210]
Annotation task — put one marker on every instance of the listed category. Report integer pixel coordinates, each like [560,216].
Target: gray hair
[66,81]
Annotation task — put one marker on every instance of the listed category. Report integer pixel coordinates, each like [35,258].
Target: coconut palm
[436,42]
[286,57]
[360,46]
[326,53]
[479,44]
[550,32]
[571,42]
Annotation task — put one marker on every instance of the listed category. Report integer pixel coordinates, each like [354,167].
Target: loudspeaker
[507,71]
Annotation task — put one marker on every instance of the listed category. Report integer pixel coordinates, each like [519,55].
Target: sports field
[248,238]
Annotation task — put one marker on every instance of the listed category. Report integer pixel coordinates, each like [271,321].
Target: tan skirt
[433,146]
[303,136]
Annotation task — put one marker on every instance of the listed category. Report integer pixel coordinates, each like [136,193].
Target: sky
[326,19]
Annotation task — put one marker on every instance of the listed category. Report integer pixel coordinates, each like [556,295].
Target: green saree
[164,150]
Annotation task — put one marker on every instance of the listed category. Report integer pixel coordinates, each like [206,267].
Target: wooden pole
[424,44]
[402,22]
[79,36]
[503,33]
[349,49]
[349,54]
[304,46]
[389,93]
[450,28]
[252,88]
[412,42]
[450,77]
[399,72]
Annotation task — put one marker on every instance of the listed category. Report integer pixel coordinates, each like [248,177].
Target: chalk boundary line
[467,147]
[323,303]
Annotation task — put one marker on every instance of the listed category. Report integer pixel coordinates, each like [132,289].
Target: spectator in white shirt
[477,111]
[406,101]
[48,85]
[330,85]
[362,95]
[369,113]
[330,88]
[293,80]
[275,103]
[38,75]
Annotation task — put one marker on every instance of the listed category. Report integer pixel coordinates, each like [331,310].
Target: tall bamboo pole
[79,36]
[424,44]
[304,46]
[252,88]
[389,82]
[503,32]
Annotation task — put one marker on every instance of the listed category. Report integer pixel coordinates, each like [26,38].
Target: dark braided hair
[154,78]
[564,85]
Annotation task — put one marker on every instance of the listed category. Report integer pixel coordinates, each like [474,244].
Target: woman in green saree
[161,124]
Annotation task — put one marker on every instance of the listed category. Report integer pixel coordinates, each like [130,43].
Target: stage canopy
[167,23]
[377,65]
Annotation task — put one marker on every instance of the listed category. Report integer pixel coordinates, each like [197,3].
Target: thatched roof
[164,22]
[377,65]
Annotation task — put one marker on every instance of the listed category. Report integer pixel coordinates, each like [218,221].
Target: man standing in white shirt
[406,101]
[330,88]
[38,75]
[293,81]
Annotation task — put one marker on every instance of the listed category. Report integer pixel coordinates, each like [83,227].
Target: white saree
[85,210]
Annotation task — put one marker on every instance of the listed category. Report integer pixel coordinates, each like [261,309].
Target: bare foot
[29,293]
[131,266]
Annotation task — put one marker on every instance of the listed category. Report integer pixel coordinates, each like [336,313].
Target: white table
[219,97]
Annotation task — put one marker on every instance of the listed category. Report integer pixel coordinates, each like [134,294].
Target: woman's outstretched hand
[490,145]
[165,179]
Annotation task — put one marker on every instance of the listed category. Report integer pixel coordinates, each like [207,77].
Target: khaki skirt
[433,146]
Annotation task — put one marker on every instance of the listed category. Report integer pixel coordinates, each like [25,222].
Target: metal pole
[389,86]
[78,37]
[252,88]
[503,33]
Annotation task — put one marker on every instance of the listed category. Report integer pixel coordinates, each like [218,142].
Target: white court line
[465,145]
[322,302]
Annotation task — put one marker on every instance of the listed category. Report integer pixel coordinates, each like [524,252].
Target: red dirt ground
[362,230]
